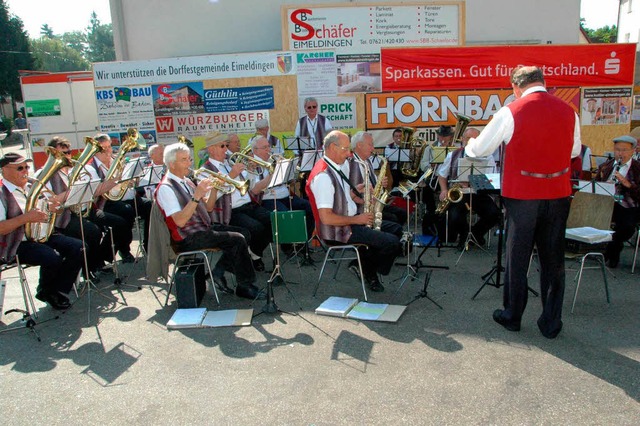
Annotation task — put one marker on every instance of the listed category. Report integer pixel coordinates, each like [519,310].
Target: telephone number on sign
[386,41]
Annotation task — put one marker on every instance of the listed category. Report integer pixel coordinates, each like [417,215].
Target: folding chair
[29,312]
[595,211]
[341,250]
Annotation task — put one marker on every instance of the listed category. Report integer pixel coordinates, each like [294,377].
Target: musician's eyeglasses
[344,148]
[622,149]
[66,152]
[312,107]
[21,168]
[224,145]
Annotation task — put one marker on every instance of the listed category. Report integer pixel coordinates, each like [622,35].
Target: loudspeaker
[190,284]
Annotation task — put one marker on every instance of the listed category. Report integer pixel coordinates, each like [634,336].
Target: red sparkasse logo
[164,124]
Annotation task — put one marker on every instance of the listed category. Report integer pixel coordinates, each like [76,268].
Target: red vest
[537,159]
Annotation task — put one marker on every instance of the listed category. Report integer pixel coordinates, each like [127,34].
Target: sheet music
[467,166]
[308,160]
[397,154]
[81,192]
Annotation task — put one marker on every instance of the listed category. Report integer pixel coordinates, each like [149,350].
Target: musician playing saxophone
[333,201]
[393,218]
[483,205]
[59,258]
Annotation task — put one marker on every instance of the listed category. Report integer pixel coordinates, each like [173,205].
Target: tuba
[117,167]
[78,172]
[462,121]
[416,147]
[222,182]
[38,196]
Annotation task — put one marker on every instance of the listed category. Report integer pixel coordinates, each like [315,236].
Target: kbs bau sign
[431,109]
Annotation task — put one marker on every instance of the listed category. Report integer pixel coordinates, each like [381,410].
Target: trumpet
[221,182]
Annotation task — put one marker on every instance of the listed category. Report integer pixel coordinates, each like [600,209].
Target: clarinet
[616,168]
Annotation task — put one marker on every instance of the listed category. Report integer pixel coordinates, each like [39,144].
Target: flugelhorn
[253,165]
[222,182]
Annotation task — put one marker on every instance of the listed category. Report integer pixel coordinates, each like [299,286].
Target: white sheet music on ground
[588,234]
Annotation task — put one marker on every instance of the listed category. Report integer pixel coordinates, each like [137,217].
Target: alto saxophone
[380,195]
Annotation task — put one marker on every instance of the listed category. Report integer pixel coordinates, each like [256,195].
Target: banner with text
[357,32]
[120,108]
[339,110]
[490,67]
[606,106]
[193,68]
[431,109]
[316,73]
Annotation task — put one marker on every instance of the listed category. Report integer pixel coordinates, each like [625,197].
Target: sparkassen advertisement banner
[408,69]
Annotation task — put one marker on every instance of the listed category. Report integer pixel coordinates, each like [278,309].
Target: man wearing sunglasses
[59,258]
[313,124]
[68,221]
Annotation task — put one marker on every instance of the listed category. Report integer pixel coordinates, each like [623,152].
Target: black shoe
[375,285]
[221,284]
[258,265]
[546,333]
[612,262]
[127,258]
[509,325]
[250,292]
[55,300]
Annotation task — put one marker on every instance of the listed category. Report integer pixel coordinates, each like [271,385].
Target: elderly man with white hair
[262,130]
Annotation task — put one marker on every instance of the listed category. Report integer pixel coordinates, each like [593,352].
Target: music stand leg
[423,293]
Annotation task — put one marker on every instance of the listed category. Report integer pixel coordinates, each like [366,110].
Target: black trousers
[625,220]
[394,214]
[143,206]
[122,231]
[543,223]
[92,240]
[483,205]
[235,253]
[257,220]
[59,258]
[383,248]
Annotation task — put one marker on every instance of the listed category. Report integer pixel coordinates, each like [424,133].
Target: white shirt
[167,199]
[500,129]
[312,125]
[445,168]
[624,169]
[323,190]
[278,149]
[275,193]
[21,198]
[129,195]
[237,200]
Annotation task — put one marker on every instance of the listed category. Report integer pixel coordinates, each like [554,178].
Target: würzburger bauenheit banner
[407,69]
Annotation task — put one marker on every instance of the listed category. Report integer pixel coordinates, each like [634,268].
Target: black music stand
[412,269]
[492,278]
[78,194]
[299,143]
[283,172]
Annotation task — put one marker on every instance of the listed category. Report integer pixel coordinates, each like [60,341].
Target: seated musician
[117,215]
[245,213]
[185,207]
[156,155]
[444,139]
[393,217]
[279,197]
[624,171]
[335,211]
[262,130]
[482,204]
[59,258]
[68,221]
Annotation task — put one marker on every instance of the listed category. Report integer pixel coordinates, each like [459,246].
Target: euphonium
[380,195]
[222,182]
[92,148]
[462,121]
[252,164]
[454,195]
[416,148]
[117,167]
[38,196]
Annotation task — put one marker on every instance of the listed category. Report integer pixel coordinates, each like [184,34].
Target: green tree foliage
[46,31]
[99,41]
[77,40]
[605,34]
[14,53]
[54,55]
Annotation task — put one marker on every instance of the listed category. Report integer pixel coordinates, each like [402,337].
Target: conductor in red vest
[541,134]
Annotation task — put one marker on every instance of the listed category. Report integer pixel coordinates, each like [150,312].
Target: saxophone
[454,195]
[38,196]
[380,195]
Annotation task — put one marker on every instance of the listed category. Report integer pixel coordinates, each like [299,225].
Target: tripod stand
[283,170]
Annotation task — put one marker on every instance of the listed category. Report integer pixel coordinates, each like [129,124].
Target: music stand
[487,185]
[299,143]
[412,269]
[82,192]
[283,172]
